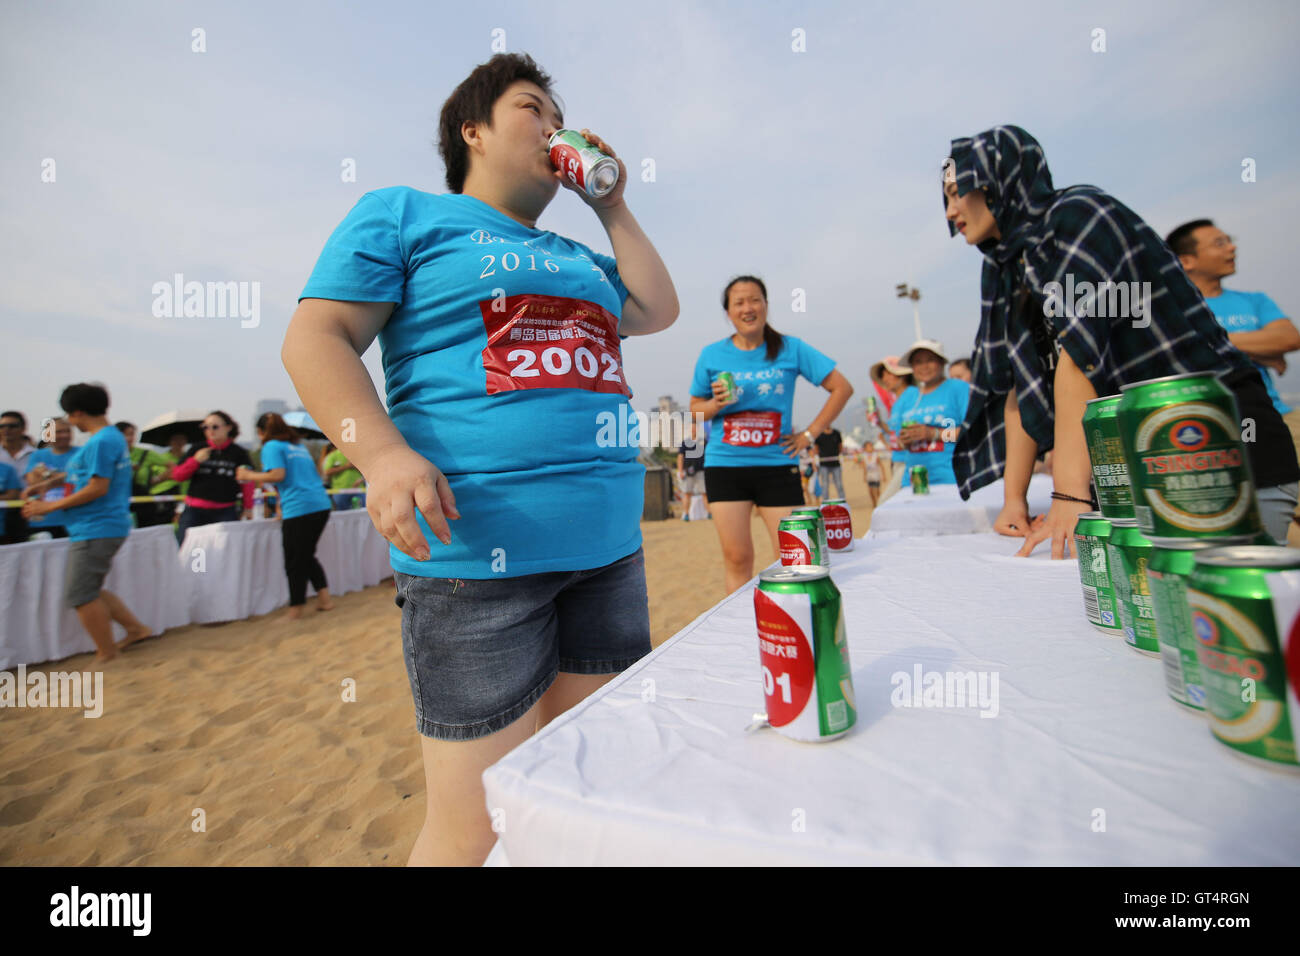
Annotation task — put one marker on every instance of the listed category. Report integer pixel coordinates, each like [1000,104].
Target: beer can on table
[1129,554]
[799,541]
[838,519]
[807,677]
[729,383]
[920,480]
[582,164]
[1106,452]
[816,515]
[1191,477]
[1100,603]
[1245,609]
[1167,574]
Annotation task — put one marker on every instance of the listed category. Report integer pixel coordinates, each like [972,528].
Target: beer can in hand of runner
[583,164]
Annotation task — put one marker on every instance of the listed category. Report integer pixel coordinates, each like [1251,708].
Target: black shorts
[777,486]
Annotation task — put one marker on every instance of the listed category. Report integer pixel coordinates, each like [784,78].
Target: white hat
[930,345]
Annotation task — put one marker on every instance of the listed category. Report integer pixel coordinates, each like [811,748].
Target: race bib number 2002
[546,341]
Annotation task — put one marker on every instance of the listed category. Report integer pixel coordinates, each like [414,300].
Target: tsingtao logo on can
[1190,473]
[804,655]
[838,519]
[582,164]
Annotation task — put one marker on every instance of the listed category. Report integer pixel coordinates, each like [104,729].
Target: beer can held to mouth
[582,164]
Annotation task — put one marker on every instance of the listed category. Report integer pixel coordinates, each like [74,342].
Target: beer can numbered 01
[838,519]
[1106,453]
[799,541]
[1100,604]
[804,655]
[1191,477]
[816,515]
[1245,607]
[582,164]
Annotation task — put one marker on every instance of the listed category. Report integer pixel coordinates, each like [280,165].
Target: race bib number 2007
[546,341]
[752,429]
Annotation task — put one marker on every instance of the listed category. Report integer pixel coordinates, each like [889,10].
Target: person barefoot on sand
[98,519]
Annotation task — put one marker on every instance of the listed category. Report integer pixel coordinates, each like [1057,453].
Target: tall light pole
[915,295]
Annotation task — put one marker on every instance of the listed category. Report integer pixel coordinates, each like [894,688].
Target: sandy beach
[246,722]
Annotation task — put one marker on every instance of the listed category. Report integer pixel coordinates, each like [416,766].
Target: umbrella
[187,421]
[303,424]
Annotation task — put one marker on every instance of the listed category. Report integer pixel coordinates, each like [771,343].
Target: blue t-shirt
[945,407]
[503,367]
[301,492]
[9,480]
[55,462]
[1249,312]
[748,432]
[104,455]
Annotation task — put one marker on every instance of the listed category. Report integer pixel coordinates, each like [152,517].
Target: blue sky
[816,170]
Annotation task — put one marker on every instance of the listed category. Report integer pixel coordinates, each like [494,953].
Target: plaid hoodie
[1069,236]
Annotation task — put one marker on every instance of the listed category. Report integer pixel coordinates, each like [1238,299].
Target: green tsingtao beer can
[729,383]
[797,536]
[1100,604]
[1106,452]
[1167,574]
[1129,553]
[920,480]
[807,677]
[1245,609]
[1191,477]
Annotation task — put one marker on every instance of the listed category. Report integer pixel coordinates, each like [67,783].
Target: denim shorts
[480,653]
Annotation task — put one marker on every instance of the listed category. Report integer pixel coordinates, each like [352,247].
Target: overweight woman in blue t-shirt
[503,368]
[929,414]
[752,454]
[304,509]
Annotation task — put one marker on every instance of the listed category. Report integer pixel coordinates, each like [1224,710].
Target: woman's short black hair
[234,429]
[772,339]
[472,102]
[82,397]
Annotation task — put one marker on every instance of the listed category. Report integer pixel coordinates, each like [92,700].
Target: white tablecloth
[1087,761]
[243,564]
[943,512]
[242,575]
[34,624]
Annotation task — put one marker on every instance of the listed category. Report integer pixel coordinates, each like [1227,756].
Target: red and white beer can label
[752,429]
[796,548]
[839,527]
[789,670]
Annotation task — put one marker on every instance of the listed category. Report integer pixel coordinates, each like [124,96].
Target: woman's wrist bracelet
[1061,496]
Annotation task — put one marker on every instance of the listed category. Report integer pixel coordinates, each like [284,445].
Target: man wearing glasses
[15,449]
[1252,320]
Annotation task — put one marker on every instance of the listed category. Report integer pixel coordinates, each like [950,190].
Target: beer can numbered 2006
[1100,605]
[1245,604]
[591,170]
[838,520]
[807,676]
[800,542]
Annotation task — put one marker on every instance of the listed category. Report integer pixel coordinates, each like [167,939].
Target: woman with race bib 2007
[751,458]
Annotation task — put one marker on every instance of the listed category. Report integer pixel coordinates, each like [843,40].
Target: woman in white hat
[927,415]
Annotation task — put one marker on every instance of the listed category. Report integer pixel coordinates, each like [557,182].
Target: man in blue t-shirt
[45,464]
[507,413]
[98,519]
[1252,320]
